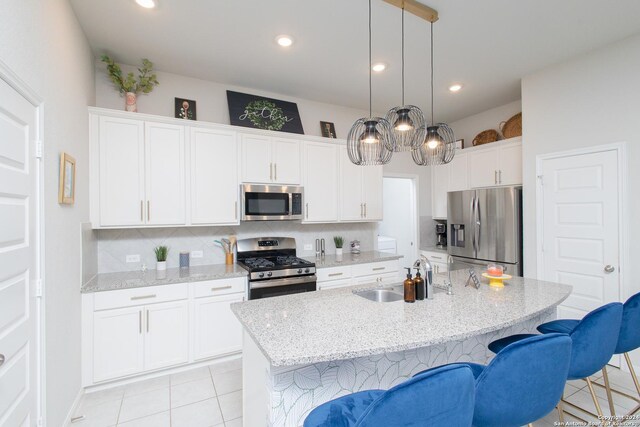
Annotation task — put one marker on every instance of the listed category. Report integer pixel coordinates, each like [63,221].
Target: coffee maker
[441,235]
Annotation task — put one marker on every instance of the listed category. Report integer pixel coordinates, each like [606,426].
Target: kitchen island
[302,350]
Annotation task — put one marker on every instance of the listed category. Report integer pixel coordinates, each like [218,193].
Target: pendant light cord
[432,122]
[403,54]
[370,62]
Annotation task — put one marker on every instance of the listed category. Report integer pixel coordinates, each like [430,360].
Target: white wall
[469,127]
[44,45]
[591,100]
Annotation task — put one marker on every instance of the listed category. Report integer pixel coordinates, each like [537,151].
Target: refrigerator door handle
[477,223]
[472,221]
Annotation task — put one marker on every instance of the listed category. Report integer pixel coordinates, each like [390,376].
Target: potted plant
[161,257]
[129,85]
[339,241]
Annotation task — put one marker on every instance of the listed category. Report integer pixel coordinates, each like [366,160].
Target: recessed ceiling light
[147,4]
[455,88]
[379,67]
[284,41]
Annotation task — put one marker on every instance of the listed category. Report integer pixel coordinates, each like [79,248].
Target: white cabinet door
[392,278]
[217,331]
[510,160]
[166,334]
[286,161]
[439,188]
[320,182]
[372,192]
[121,173]
[256,159]
[458,173]
[118,343]
[214,177]
[351,201]
[483,168]
[165,174]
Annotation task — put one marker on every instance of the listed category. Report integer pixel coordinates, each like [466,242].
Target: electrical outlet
[133,258]
[308,247]
[196,254]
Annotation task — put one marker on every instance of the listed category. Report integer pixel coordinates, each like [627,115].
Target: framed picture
[263,113]
[328,129]
[67,180]
[185,109]
[459,144]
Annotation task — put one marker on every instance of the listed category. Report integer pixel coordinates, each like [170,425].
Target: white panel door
[165,174]
[256,159]
[372,192]
[439,188]
[19,259]
[510,159]
[483,168]
[351,200]
[580,229]
[217,331]
[118,343]
[122,166]
[458,174]
[214,177]
[166,334]
[321,182]
[286,161]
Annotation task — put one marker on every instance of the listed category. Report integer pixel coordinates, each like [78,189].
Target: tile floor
[212,397]
[202,397]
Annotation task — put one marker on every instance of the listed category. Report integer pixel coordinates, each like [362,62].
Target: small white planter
[338,251]
[161,265]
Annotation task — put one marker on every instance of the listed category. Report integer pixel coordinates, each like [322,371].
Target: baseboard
[74,406]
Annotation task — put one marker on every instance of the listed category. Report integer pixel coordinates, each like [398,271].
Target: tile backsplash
[115,245]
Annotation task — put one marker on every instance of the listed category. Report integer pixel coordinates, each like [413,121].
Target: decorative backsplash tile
[115,245]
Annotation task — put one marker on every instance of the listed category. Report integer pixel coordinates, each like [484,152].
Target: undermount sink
[381,295]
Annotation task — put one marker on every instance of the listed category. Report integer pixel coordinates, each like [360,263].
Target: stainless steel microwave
[271,202]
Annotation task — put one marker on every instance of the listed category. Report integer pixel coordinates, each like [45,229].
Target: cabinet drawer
[219,287]
[334,284]
[333,273]
[375,268]
[435,256]
[139,296]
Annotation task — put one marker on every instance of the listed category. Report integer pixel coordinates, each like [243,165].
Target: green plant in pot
[161,257]
[339,242]
[128,84]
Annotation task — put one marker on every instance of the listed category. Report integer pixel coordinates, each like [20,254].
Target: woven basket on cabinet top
[512,127]
[485,137]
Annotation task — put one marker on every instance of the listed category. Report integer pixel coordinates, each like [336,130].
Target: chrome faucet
[424,263]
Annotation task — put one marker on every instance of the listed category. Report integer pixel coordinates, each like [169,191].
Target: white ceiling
[486,45]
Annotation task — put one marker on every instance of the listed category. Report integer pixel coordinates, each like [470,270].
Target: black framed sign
[263,113]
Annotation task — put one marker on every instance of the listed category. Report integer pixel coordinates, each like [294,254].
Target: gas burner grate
[258,263]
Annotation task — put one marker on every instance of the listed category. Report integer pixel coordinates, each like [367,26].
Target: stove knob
[299,270]
[261,275]
[269,274]
[306,270]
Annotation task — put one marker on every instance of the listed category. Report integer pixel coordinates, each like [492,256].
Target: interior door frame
[414,204]
[14,81]
[621,150]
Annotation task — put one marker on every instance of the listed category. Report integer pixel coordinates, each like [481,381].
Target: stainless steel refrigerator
[485,226]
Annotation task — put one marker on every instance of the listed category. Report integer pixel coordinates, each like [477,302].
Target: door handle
[271,171]
[472,220]
[148,210]
[275,171]
[609,269]
[478,224]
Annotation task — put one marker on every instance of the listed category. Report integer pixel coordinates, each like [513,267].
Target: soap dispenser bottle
[419,284]
[409,288]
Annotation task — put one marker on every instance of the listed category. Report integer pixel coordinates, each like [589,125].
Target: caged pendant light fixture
[408,121]
[368,141]
[439,144]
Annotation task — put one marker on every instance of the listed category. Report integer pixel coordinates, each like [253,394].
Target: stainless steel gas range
[274,268]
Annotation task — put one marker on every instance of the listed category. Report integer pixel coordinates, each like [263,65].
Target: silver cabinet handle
[148,210]
[275,171]
[335,274]
[221,288]
[500,177]
[361,210]
[379,268]
[307,210]
[143,297]
[140,321]
[235,209]
[141,211]
[147,320]
[609,269]
[495,177]
[271,171]
[1,359]
[365,210]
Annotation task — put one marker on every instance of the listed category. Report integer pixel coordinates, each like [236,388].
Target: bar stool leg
[607,387]
[560,409]
[633,373]
[595,398]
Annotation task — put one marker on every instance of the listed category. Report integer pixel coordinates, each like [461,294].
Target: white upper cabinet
[439,188]
[483,168]
[372,192]
[360,191]
[497,165]
[121,172]
[510,160]
[165,174]
[321,168]
[458,173]
[214,177]
[269,160]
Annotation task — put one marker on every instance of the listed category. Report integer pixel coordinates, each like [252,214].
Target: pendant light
[368,140]
[439,144]
[409,125]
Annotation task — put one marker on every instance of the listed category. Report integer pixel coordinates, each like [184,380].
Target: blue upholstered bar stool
[523,383]
[441,397]
[594,339]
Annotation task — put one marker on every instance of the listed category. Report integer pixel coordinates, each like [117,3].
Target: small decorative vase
[161,265]
[339,252]
[130,102]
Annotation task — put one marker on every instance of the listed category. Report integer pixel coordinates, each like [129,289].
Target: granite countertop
[336,324]
[350,259]
[138,279]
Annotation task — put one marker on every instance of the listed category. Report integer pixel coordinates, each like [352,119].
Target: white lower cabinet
[166,335]
[382,273]
[380,279]
[438,261]
[217,331]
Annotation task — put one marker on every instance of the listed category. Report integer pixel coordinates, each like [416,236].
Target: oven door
[268,202]
[276,287]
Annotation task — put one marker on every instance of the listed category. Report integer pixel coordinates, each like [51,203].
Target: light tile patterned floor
[202,397]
